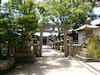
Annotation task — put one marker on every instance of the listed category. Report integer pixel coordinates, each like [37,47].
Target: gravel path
[52,63]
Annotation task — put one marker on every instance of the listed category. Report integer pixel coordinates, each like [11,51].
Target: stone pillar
[71,45]
[58,45]
[2,51]
[54,42]
[10,50]
[78,49]
[41,41]
[47,41]
[62,47]
[75,50]
[65,42]
[32,49]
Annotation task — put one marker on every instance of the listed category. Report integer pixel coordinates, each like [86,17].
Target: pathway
[52,63]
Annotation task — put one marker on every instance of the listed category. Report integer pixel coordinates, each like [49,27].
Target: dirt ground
[51,63]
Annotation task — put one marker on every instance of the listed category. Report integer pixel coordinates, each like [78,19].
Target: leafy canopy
[17,21]
[64,11]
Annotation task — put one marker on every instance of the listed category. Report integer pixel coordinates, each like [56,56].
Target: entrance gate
[64,30]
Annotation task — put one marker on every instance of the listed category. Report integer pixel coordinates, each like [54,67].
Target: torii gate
[64,27]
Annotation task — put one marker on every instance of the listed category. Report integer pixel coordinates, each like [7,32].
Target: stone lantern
[88,21]
[87,29]
[24,54]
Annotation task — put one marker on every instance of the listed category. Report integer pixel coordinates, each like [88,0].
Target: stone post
[78,49]
[62,47]
[65,42]
[2,51]
[41,41]
[54,42]
[10,50]
[47,41]
[32,49]
[70,45]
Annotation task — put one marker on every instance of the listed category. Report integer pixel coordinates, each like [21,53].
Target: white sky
[3,1]
[96,10]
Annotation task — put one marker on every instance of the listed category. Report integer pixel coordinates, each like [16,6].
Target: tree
[94,2]
[17,19]
[61,12]
[65,11]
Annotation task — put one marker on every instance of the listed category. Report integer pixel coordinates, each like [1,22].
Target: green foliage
[18,21]
[65,11]
[29,22]
[25,15]
[94,3]
[45,20]
[94,47]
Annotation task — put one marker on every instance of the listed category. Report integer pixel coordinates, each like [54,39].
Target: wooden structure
[64,30]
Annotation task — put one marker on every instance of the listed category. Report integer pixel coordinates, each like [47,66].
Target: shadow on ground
[49,62]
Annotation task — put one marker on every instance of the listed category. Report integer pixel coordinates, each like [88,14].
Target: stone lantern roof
[87,26]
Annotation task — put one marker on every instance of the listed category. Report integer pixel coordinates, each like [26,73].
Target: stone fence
[7,51]
[72,48]
[36,50]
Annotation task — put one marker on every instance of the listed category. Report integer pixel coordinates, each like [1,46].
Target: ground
[52,62]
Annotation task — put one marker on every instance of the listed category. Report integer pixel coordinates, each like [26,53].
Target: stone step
[84,58]
[83,49]
[85,54]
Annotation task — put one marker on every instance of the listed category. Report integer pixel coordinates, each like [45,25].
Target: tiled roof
[96,22]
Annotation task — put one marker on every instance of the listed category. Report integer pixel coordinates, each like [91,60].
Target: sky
[96,10]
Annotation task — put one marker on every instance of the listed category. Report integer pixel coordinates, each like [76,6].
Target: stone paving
[95,65]
[51,63]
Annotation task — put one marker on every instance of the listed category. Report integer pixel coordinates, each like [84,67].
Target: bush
[94,47]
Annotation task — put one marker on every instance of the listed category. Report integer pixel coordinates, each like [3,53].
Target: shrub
[94,47]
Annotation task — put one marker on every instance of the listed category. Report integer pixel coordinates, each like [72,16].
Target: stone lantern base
[24,55]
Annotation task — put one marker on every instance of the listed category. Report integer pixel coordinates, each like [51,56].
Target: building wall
[81,37]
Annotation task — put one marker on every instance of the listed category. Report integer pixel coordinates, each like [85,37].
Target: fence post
[65,43]
[70,45]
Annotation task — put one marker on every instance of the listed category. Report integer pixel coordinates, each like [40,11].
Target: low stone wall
[76,48]
[73,49]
